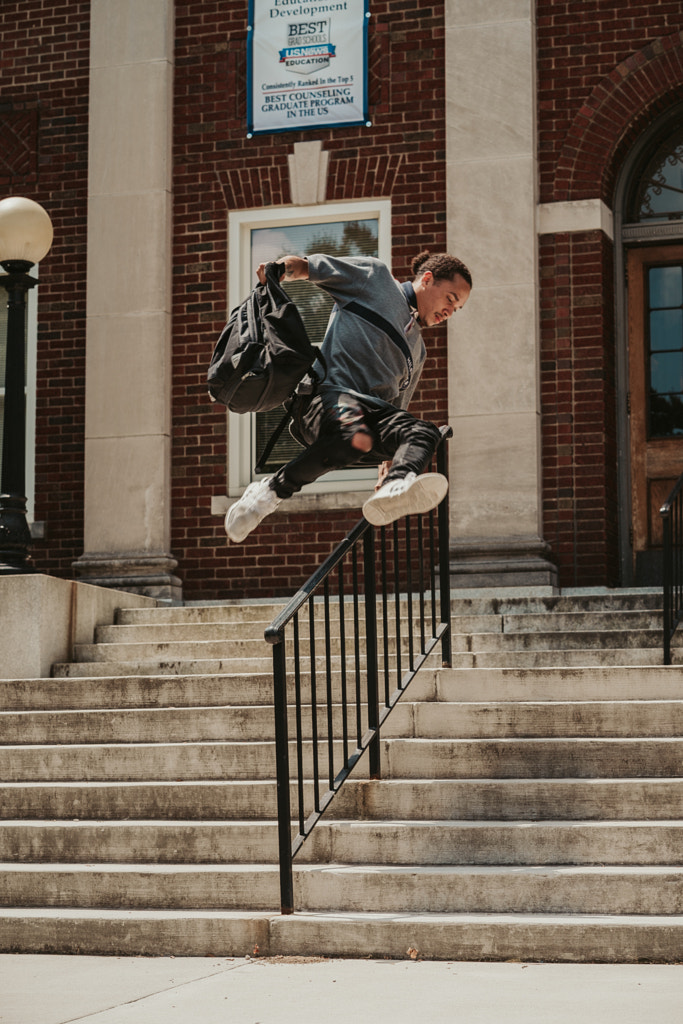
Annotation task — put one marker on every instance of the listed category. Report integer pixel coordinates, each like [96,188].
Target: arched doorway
[650,297]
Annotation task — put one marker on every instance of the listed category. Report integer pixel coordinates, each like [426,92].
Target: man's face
[438,299]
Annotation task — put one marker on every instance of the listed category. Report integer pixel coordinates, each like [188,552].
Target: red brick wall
[578,424]
[44,66]
[217,169]
[605,70]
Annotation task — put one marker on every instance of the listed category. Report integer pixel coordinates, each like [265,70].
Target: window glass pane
[666,415]
[666,373]
[659,195]
[341,238]
[666,287]
[666,329]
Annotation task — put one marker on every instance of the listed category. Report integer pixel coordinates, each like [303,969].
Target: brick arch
[618,110]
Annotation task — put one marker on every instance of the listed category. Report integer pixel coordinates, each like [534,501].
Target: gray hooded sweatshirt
[361,358]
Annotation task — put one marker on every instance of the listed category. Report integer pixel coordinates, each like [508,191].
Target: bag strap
[272,441]
[378,320]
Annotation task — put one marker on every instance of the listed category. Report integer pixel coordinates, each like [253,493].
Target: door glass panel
[666,287]
[666,329]
[665,351]
[666,373]
[666,416]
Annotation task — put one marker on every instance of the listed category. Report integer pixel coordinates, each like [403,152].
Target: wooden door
[655,325]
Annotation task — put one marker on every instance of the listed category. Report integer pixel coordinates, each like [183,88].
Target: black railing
[672,565]
[344,650]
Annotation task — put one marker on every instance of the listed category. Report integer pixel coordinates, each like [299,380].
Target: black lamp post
[25,237]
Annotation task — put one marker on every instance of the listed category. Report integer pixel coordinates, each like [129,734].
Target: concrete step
[500,603]
[534,758]
[177,632]
[511,603]
[571,658]
[252,611]
[92,692]
[90,689]
[558,683]
[165,667]
[401,758]
[587,621]
[606,938]
[367,842]
[568,640]
[496,719]
[390,799]
[224,666]
[377,889]
[131,761]
[197,629]
[236,651]
[409,719]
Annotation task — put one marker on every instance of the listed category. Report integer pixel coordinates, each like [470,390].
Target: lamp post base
[15,536]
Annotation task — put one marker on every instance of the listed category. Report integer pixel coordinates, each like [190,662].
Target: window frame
[241,431]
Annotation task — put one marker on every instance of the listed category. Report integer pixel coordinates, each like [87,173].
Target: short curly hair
[443,266]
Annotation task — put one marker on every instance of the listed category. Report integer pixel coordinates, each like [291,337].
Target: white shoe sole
[426,492]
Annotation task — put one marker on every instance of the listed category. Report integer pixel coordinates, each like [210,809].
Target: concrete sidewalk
[37,989]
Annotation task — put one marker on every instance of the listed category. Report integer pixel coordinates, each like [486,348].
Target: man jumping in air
[374,354]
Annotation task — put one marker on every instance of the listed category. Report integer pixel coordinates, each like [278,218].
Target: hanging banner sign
[306,64]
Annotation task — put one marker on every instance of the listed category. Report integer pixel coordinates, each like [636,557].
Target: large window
[30,377]
[346,229]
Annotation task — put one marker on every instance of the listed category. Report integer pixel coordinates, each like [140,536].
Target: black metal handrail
[391,611]
[672,565]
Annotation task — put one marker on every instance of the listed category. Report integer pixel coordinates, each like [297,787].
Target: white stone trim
[308,172]
[578,215]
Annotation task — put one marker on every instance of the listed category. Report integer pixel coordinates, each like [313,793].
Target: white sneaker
[411,495]
[258,501]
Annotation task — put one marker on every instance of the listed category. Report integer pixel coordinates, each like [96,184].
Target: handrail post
[443,515]
[666,583]
[284,814]
[371,651]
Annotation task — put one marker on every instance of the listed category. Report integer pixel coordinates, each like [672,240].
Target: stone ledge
[44,616]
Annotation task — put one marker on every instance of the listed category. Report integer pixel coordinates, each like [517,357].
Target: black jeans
[327,423]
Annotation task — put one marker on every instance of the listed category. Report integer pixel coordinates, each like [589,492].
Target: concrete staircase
[531,807]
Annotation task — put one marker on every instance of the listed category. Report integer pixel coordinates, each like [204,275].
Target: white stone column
[128,340]
[493,378]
